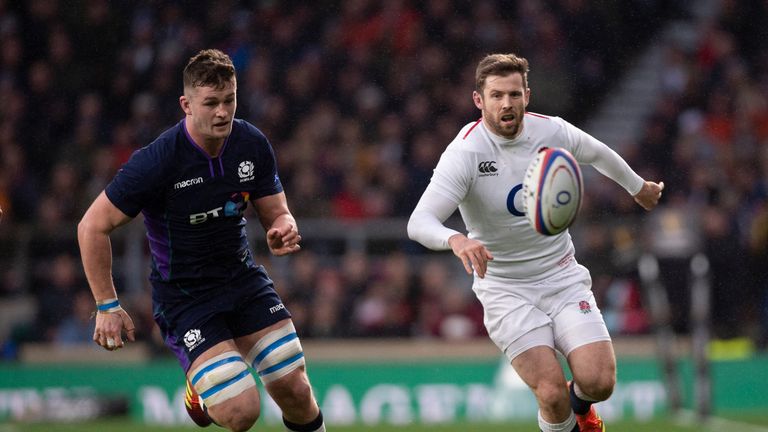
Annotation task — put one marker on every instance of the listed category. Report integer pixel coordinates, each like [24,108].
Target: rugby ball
[552,190]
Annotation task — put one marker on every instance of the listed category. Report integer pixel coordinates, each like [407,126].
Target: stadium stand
[359,99]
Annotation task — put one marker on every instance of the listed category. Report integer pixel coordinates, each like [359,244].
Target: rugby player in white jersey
[536,297]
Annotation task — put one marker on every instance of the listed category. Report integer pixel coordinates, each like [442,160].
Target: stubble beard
[506,133]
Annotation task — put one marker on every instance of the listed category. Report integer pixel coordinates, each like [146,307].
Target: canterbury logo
[487,167]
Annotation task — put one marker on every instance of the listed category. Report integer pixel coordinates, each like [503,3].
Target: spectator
[77,328]
[54,294]
[359,99]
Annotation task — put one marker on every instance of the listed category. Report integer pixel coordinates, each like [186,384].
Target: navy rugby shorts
[243,306]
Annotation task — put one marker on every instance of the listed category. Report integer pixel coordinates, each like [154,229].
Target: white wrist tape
[108,306]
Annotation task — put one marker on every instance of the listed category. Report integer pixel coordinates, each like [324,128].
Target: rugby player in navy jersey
[217,310]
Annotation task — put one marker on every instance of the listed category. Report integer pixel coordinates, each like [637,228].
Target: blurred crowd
[359,98]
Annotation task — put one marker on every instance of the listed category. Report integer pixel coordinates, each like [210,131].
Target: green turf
[127,426]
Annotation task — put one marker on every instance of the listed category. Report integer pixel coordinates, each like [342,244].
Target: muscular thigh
[576,318]
[593,362]
[222,374]
[276,355]
[273,352]
[510,313]
[223,380]
[539,365]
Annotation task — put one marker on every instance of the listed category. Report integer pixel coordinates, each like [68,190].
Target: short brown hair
[500,65]
[209,67]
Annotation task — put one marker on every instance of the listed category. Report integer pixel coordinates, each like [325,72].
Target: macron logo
[189,182]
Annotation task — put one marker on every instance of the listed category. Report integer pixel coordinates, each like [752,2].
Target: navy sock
[579,406]
[309,427]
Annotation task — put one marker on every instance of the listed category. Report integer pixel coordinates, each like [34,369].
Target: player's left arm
[589,150]
[649,195]
[282,231]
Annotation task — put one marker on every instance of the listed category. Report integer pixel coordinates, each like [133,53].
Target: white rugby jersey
[482,174]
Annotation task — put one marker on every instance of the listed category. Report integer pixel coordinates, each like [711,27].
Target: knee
[236,414]
[238,419]
[552,395]
[293,391]
[241,423]
[599,387]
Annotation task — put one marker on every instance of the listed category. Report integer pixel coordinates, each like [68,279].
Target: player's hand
[283,240]
[472,254]
[649,195]
[109,329]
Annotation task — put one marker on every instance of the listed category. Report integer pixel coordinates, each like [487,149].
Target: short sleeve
[137,183]
[268,180]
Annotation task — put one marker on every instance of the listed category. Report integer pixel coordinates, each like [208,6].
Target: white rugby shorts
[558,311]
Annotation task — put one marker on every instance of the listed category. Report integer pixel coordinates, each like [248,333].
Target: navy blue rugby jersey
[193,204]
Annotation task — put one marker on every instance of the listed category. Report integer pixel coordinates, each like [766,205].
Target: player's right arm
[101,218]
[426,227]
[448,186]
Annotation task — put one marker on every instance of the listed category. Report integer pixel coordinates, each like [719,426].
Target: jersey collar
[502,141]
[203,152]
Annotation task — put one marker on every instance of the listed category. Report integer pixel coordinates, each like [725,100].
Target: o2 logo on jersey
[511,207]
[245,171]
[234,207]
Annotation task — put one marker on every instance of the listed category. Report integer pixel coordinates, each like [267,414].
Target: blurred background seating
[359,98]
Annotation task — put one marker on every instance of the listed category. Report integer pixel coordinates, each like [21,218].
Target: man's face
[210,110]
[503,104]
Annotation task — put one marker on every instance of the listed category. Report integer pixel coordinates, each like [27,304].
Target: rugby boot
[590,422]
[195,408]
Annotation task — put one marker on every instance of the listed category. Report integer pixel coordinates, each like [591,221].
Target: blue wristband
[109,305]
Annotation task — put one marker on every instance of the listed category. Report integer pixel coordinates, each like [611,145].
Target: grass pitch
[756,423]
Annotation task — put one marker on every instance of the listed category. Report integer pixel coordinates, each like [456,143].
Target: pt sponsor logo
[193,338]
[245,171]
[234,207]
[198,218]
[276,308]
[487,169]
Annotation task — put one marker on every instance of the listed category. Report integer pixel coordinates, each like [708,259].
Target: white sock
[566,426]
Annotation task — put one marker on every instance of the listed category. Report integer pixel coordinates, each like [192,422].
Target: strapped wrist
[108,306]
